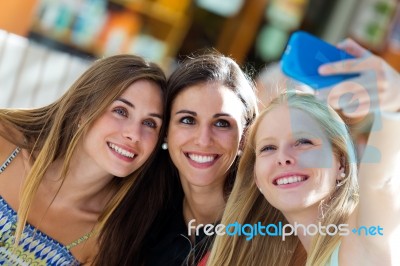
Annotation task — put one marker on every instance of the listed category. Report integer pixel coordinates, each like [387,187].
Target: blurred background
[46,44]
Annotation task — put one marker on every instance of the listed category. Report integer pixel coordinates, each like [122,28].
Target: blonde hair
[52,132]
[247,205]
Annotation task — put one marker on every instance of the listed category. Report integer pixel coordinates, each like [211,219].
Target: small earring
[260,190]
[164,146]
[342,175]
[239,153]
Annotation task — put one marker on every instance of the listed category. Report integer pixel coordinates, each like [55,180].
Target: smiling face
[123,137]
[204,133]
[295,165]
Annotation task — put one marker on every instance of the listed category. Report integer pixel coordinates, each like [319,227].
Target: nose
[203,136]
[286,162]
[285,157]
[132,132]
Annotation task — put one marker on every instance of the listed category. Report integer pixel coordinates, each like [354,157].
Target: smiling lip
[123,153]
[289,179]
[200,160]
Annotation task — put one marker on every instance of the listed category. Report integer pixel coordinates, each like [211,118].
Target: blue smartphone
[303,55]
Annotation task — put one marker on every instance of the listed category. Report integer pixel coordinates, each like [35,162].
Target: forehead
[143,89]
[209,96]
[284,120]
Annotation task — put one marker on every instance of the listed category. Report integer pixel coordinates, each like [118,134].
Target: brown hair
[147,204]
[52,131]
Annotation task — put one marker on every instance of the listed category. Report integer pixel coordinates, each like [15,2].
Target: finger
[353,48]
[367,81]
[349,66]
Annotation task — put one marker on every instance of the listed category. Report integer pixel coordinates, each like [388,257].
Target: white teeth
[201,159]
[121,151]
[290,180]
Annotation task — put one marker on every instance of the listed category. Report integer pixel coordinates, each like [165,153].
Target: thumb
[353,48]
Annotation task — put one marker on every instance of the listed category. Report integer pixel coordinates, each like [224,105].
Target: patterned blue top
[35,247]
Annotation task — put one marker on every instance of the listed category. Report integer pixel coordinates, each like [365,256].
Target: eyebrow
[186,112]
[126,102]
[294,135]
[195,114]
[133,106]
[307,134]
[266,139]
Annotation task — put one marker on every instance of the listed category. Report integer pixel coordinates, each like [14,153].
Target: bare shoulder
[12,170]
[6,149]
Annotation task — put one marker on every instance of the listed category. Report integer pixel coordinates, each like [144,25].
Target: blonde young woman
[299,167]
[69,164]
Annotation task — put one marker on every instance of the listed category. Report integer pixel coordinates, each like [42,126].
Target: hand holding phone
[304,54]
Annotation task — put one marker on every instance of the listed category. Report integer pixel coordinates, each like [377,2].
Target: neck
[89,188]
[204,206]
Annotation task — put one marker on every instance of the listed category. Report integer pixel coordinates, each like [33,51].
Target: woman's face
[295,166]
[123,137]
[204,133]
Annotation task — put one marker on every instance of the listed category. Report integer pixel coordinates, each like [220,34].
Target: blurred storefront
[255,32]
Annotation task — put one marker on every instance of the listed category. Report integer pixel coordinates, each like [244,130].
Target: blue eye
[268,148]
[150,123]
[121,111]
[222,123]
[303,142]
[187,120]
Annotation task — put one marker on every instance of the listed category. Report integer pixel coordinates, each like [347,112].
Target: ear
[342,168]
[341,175]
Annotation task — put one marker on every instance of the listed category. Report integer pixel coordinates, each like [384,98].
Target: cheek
[325,180]
[320,158]
[261,170]
[150,139]
[174,137]
[229,140]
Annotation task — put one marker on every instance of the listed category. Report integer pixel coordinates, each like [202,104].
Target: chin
[201,183]
[121,174]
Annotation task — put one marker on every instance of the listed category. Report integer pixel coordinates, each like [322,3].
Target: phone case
[303,55]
